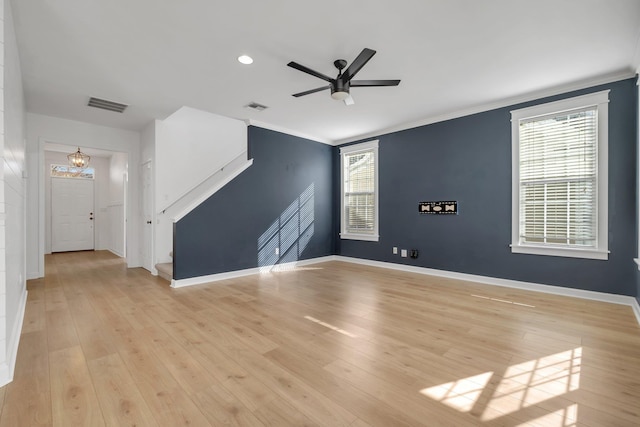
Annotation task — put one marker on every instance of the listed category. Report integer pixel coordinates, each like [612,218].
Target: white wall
[41,129]
[191,145]
[118,175]
[12,198]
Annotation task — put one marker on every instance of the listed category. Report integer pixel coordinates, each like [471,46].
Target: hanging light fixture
[78,159]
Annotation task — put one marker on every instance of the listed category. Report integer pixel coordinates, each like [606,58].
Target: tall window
[560,178]
[359,217]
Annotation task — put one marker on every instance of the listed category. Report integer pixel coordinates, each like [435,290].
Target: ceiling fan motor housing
[339,89]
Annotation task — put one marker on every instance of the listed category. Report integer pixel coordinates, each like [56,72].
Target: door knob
[148,222]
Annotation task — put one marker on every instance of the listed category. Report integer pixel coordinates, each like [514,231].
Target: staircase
[165,269]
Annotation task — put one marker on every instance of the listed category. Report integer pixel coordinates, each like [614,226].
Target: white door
[147,216]
[71,214]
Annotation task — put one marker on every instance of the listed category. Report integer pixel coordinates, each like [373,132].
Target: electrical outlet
[277,251]
[403,253]
[395,250]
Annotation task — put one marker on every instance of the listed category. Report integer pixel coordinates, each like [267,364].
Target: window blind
[558,178]
[359,192]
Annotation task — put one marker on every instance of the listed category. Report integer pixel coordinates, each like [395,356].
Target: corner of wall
[8,366]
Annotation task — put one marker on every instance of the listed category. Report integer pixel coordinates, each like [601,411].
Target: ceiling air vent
[255,106]
[107,105]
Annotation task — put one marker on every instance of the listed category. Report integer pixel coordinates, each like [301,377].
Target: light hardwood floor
[330,345]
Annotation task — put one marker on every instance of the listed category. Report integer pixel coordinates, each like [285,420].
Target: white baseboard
[191,281]
[116,253]
[636,309]
[34,275]
[507,283]
[7,368]
[494,281]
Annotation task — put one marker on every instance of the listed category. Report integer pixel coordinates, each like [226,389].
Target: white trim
[199,280]
[507,283]
[636,309]
[531,96]
[116,253]
[7,368]
[211,191]
[374,235]
[601,100]
[363,146]
[568,104]
[637,260]
[564,252]
[364,237]
[284,130]
[486,280]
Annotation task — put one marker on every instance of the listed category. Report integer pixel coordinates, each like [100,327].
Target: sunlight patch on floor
[462,394]
[330,326]
[506,301]
[518,389]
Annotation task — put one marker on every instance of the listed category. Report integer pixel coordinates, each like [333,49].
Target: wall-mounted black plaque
[438,208]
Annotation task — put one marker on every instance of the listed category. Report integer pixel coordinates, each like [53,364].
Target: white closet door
[72,215]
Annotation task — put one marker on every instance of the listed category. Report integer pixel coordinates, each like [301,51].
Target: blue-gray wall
[288,187]
[469,160]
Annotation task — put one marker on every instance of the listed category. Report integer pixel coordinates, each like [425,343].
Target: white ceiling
[452,57]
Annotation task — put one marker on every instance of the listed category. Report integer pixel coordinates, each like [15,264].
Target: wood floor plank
[61,331]
[328,345]
[27,401]
[222,407]
[120,400]
[73,397]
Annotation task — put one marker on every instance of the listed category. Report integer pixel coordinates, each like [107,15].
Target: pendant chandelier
[78,159]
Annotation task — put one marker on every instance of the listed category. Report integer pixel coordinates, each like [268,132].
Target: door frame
[132,212]
[149,242]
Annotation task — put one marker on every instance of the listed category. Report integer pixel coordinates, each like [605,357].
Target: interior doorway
[75,220]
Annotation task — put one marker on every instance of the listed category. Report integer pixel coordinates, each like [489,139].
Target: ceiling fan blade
[307,92]
[349,100]
[357,64]
[309,71]
[363,83]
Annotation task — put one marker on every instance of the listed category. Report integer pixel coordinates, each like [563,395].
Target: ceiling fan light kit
[341,85]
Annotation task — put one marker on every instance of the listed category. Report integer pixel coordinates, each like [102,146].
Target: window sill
[365,237]
[561,252]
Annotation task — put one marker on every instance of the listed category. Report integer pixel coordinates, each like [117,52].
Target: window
[64,171]
[560,178]
[359,177]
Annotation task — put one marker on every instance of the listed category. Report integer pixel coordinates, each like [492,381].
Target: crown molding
[281,129]
[506,102]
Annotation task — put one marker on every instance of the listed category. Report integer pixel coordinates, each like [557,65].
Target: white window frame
[600,251]
[372,236]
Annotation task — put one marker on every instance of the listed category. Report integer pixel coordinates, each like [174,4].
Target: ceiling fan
[343,82]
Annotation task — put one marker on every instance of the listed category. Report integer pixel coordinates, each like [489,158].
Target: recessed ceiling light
[245,59]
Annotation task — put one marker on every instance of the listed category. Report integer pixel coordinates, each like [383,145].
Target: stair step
[165,270]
